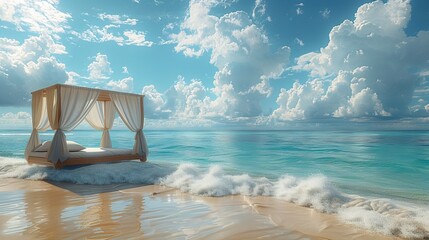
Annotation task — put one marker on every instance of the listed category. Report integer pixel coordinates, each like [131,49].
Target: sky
[225,63]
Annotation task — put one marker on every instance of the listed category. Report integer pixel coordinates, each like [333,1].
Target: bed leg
[58,165]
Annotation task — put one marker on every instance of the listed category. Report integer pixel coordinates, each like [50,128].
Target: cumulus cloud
[370,67]
[123,85]
[186,100]
[299,11]
[72,78]
[99,69]
[31,64]
[14,116]
[180,101]
[15,119]
[136,38]
[240,51]
[28,66]
[154,103]
[33,15]
[100,76]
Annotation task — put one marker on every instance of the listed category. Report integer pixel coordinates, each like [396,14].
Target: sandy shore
[51,210]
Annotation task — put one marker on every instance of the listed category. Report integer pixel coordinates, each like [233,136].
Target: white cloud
[136,1]
[259,8]
[167,29]
[299,42]
[15,120]
[100,34]
[427,107]
[188,123]
[31,65]
[100,76]
[123,85]
[181,101]
[33,15]
[28,66]
[186,100]
[99,69]
[136,38]
[117,19]
[239,50]
[72,78]
[424,73]
[105,34]
[154,102]
[300,4]
[15,116]
[299,11]
[325,13]
[357,73]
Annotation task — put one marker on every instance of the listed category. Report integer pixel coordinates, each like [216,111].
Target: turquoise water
[375,180]
[387,164]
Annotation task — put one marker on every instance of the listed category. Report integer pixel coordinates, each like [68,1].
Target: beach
[46,210]
[248,185]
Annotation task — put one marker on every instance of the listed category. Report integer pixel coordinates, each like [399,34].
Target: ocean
[366,177]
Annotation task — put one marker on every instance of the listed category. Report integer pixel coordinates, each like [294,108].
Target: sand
[52,210]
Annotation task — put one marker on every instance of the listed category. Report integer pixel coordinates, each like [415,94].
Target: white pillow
[73,146]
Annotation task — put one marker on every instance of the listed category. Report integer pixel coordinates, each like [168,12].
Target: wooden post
[58,165]
[142,110]
[58,113]
[144,157]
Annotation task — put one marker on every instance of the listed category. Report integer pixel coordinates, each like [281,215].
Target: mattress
[90,153]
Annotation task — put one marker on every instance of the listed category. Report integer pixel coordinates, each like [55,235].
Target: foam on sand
[98,174]
[379,215]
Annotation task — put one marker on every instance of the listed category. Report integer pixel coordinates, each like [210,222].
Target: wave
[379,215]
[99,174]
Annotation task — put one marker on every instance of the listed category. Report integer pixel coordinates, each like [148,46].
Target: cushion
[73,146]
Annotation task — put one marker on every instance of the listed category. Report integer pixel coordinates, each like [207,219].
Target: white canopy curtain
[101,117]
[67,107]
[130,109]
[39,120]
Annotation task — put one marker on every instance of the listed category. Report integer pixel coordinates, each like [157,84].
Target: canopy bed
[63,107]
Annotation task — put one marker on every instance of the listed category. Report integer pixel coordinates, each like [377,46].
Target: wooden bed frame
[104,96]
[84,161]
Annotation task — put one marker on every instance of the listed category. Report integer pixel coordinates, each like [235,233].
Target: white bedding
[90,152]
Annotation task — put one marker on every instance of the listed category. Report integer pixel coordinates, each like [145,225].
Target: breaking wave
[379,215]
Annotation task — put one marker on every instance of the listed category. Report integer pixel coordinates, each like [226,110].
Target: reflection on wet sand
[42,210]
[55,212]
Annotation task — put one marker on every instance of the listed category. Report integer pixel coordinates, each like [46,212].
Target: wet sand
[52,210]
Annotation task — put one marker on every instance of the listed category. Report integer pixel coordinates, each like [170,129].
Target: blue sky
[220,63]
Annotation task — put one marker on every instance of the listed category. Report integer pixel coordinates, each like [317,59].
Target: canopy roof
[104,94]
[63,107]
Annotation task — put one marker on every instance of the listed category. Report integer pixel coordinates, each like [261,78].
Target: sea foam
[379,215]
[99,174]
